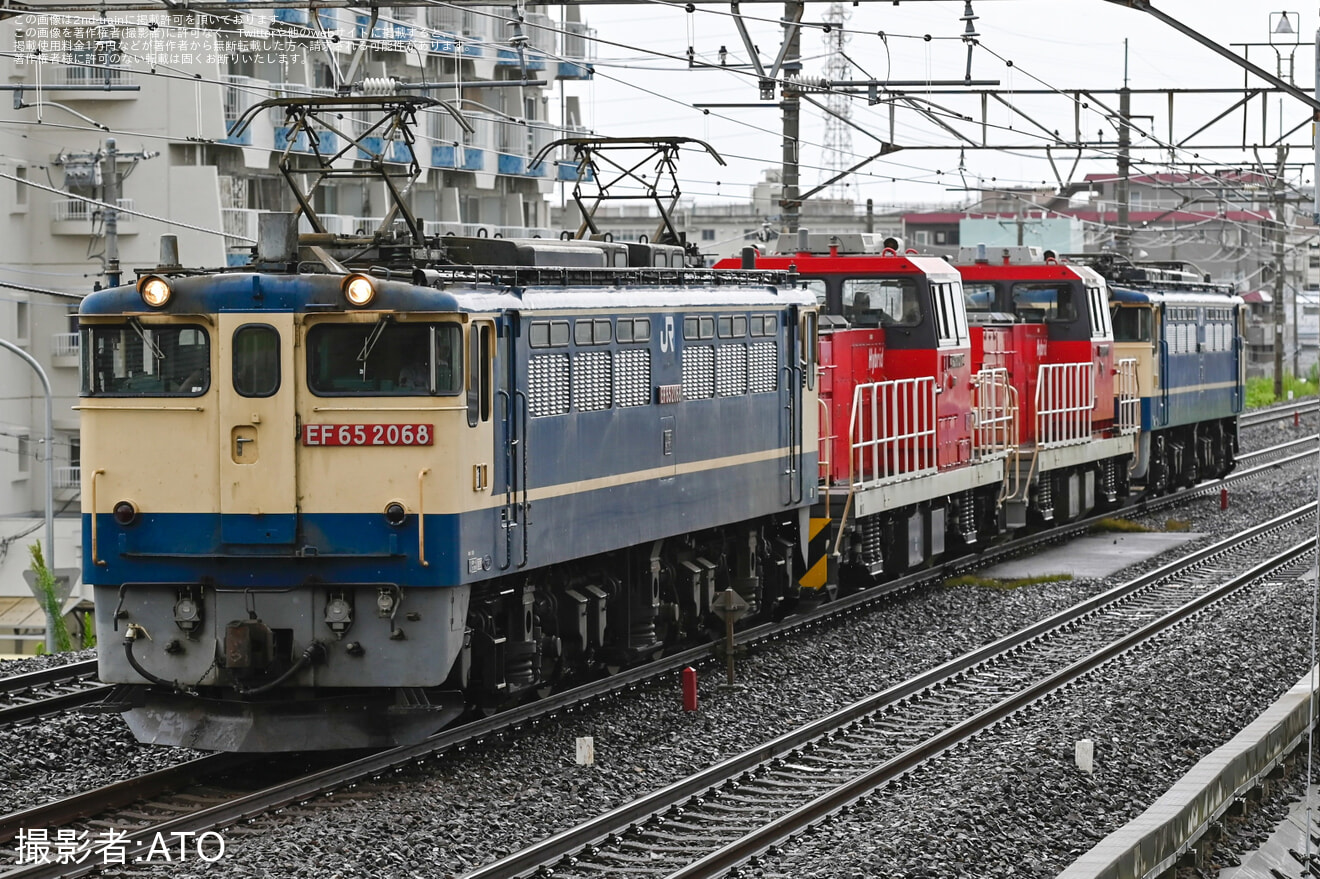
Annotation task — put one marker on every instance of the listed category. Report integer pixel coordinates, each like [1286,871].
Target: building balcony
[101,82]
[482,230]
[282,133]
[573,70]
[568,171]
[474,159]
[532,59]
[391,34]
[578,41]
[292,16]
[64,348]
[446,155]
[74,216]
[241,93]
[512,165]
[239,226]
[67,477]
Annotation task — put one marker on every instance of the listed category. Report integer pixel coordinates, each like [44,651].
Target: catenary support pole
[50,476]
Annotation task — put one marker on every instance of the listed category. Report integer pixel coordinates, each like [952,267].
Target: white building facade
[170,89]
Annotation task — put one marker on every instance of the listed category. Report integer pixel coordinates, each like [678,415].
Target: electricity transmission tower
[838,107]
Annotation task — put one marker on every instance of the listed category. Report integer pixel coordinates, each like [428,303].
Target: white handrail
[1127,395]
[891,432]
[1065,404]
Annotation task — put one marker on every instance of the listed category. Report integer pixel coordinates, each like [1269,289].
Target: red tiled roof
[1135,217]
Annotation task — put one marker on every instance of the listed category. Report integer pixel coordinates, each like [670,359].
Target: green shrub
[1111,524]
[1260,391]
[991,583]
[49,601]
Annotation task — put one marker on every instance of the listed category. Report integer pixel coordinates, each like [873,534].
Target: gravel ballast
[1011,803]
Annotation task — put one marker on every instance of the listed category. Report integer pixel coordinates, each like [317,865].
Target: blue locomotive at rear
[1186,336]
[329,509]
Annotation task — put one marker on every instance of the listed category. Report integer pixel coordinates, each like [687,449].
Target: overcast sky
[1053,44]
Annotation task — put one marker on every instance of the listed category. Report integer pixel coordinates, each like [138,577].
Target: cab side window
[256,360]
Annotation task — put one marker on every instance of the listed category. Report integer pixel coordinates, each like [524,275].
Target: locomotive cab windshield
[133,359]
[385,358]
[881,302]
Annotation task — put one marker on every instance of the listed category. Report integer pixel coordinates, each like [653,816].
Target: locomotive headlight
[154,290]
[359,290]
[125,512]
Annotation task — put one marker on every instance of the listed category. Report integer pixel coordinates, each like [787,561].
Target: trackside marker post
[586,750]
[1084,754]
[729,606]
[689,689]
[1223,499]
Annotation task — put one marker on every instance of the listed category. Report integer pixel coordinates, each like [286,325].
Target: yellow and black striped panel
[818,555]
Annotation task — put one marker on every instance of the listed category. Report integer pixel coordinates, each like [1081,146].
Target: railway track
[1295,410]
[187,798]
[64,688]
[49,691]
[728,814]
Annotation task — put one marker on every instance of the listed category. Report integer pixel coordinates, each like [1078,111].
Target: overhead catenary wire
[652,53]
[304,31]
[123,210]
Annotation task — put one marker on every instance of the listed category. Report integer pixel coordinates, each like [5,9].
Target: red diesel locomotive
[957,402]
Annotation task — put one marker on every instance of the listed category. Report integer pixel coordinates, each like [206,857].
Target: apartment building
[723,230]
[162,104]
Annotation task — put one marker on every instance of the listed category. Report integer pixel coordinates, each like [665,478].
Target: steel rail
[52,704]
[753,844]
[21,696]
[1277,413]
[55,674]
[1276,449]
[578,838]
[121,793]
[374,765]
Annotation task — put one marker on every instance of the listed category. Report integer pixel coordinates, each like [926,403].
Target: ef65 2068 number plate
[367,435]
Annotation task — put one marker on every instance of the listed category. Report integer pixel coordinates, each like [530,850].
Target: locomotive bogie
[532,632]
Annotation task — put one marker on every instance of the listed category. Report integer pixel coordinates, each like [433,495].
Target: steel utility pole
[792,107]
[1123,233]
[50,477]
[105,162]
[112,213]
[1281,156]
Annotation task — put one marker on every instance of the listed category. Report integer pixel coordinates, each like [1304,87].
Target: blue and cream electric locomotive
[1186,335]
[337,495]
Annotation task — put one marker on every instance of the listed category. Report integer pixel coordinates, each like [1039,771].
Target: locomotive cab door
[796,368]
[258,492]
[511,462]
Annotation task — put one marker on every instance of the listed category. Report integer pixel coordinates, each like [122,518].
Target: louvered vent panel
[632,377]
[698,372]
[731,370]
[547,385]
[762,369]
[592,382]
